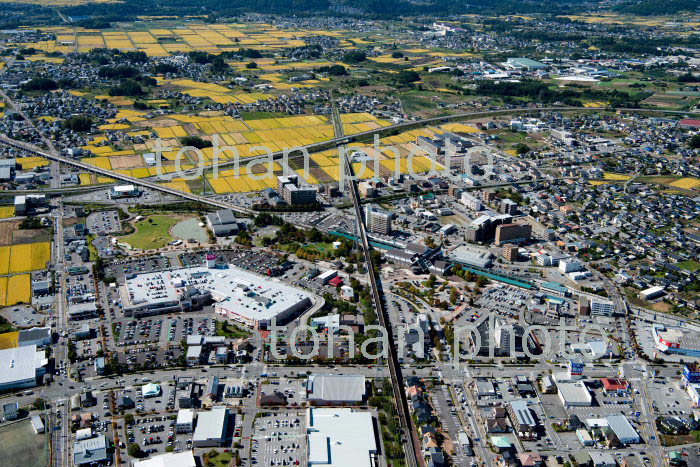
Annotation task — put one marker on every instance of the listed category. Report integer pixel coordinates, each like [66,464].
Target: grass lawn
[320,247]
[152,232]
[690,265]
[226,329]
[219,459]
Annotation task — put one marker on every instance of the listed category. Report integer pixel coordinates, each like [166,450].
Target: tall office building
[293,192]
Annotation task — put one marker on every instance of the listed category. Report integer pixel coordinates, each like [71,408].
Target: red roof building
[689,123]
[337,281]
[615,385]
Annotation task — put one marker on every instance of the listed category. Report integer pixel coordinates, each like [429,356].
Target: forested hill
[362,8]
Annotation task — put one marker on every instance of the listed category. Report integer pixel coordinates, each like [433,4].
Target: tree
[135,450]
[77,123]
[128,87]
[522,148]
[397,54]
[695,142]
[354,56]
[195,142]
[251,65]
[40,84]
[408,77]
[39,404]
[165,68]
[453,296]
[334,70]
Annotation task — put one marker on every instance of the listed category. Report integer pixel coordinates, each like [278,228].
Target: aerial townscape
[398,233]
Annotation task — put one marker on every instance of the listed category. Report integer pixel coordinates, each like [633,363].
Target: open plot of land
[152,232]
[6,230]
[19,445]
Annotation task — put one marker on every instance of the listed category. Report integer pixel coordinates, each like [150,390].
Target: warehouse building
[574,394]
[170,459]
[623,429]
[223,223]
[522,63]
[618,424]
[38,424]
[336,389]
[212,428]
[91,451]
[21,367]
[340,438]
[651,293]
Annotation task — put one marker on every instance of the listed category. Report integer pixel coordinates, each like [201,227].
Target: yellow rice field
[24,258]
[687,183]
[616,177]
[7,211]
[19,289]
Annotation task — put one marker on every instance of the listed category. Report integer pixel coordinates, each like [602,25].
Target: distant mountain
[656,7]
[360,8]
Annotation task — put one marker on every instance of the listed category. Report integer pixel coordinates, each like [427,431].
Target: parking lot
[251,260]
[293,389]
[155,433]
[103,222]
[120,269]
[279,439]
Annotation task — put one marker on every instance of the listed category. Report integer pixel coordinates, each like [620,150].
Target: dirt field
[6,229]
[126,162]
[30,236]
[20,446]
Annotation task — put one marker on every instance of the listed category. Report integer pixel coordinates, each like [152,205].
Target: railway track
[409,444]
[30,148]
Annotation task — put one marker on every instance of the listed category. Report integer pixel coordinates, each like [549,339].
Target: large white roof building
[340,438]
[211,427]
[336,389]
[574,394]
[21,366]
[242,296]
[171,459]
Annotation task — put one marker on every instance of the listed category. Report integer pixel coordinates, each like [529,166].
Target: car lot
[154,433]
[293,389]
[124,268]
[103,222]
[279,439]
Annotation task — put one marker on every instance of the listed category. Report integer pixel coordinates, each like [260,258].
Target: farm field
[687,183]
[8,340]
[162,42]
[7,211]
[24,258]
[616,177]
[19,289]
